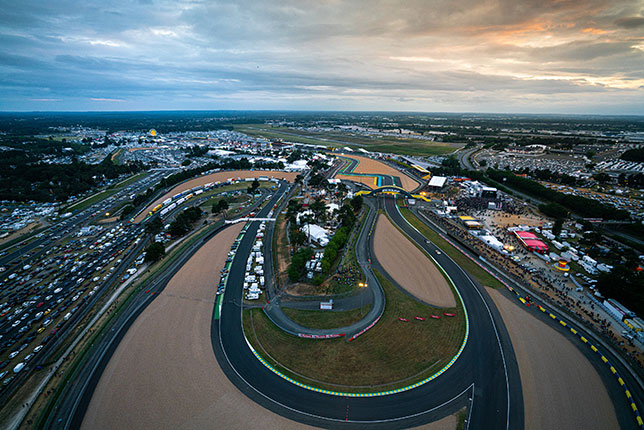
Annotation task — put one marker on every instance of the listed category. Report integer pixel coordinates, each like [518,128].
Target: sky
[526,56]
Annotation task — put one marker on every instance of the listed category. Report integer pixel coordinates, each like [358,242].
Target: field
[409,266]
[326,319]
[391,354]
[214,177]
[388,144]
[370,166]
[463,261]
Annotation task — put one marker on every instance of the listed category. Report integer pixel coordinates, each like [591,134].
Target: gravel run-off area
[370,166]
[561,388]
[214,177]
[164,374]
[409,267]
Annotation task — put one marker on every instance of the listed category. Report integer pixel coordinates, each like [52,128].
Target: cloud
[338,54]
[630,22]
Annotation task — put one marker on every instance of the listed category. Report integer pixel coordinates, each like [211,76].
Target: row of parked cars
[41,297]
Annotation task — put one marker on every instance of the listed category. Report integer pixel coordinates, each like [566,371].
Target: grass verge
[392,354]
[326,319]
[459,258]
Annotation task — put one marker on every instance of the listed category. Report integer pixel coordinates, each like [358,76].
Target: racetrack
[163,373]
[555,375]
[214,177]
[409,267]
[370,166]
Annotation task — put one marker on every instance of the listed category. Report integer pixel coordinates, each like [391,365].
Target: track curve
[486,372]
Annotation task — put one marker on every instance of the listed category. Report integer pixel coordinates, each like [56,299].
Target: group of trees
[347,218]
[219,206]
[22,178]
[636,155]
[183,223]
[154,252]
[583,206]
[298,263]
[625,283]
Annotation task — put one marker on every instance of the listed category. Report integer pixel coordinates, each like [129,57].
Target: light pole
[362,285]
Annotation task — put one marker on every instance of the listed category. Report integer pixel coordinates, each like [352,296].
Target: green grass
[462,260]
[392,354]
[326,319]
[461,420]
[402,145]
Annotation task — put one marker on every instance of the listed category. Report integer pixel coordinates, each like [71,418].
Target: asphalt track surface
[486,372]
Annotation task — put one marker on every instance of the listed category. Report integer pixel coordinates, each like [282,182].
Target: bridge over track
[392,189]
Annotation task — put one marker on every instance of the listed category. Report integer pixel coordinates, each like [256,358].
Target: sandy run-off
[409,267]
[214,177]
[369,166]
[164,374]
[561,388]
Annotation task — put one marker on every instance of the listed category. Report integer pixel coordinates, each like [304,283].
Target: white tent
[316,234]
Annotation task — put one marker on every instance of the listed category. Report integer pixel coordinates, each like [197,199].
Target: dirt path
[561,389]
[409,267]
[164,373]
[368,165]
[214,177]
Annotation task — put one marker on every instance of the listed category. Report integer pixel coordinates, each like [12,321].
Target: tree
[356,203]
[602,177]
[255,185]
[298,262]
[318,207]
[154,226]
[127,209]
[554,210]
[316,180]
[154,252]
[590,154]
[556,229]
[186,162]
[222,205]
